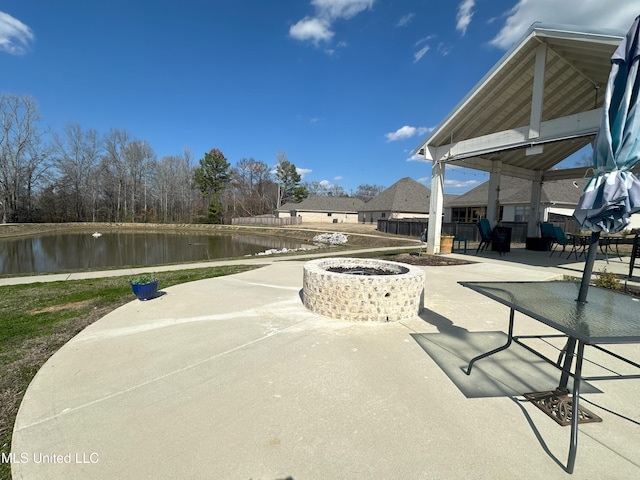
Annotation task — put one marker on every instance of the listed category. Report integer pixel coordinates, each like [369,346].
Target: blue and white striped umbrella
[613,194]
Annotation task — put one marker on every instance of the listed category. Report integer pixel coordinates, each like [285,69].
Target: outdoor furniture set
[609,317]
[579,242]
[499,237]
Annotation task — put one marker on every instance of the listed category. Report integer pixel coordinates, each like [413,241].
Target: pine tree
[211,177]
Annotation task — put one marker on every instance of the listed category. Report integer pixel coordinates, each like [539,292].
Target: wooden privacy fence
[270,221]
[406,227]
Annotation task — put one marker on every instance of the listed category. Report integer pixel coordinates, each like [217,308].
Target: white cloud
[15,36]
[324,183]
[303,171]
[405,20]
[317,29]
[416,158]
[594,13]
[420,53]
[463,19]
[425,39]
[341,8]
[443,49]
[338,178]
[406,132]
[461,183]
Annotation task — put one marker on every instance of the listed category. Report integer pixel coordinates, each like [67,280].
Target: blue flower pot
[145,291]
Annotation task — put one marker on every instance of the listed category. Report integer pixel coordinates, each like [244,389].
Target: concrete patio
[233,378]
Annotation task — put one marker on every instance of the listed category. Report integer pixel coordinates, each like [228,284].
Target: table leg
[567,351]
[499,349]
[575,412]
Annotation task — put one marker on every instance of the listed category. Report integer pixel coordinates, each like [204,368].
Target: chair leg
[632,260]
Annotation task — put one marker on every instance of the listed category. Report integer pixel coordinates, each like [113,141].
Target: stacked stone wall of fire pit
[393,293]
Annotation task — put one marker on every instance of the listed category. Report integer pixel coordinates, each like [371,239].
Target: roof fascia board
[578,125]
[606,36]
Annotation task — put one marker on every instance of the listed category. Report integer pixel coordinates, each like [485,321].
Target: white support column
[493,200]
[436,207]
[533,229]
[537,95]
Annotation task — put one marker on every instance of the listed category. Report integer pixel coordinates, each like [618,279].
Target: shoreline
[359,234]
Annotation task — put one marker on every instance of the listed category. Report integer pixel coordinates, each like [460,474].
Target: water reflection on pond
[77,251]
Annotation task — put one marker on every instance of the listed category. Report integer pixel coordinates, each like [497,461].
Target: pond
[78,251]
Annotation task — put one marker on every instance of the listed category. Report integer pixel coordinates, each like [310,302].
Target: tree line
[79,175]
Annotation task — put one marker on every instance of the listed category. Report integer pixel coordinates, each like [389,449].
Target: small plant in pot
[145,286]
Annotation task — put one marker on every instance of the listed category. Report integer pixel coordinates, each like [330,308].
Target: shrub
[607,280]
[143,279]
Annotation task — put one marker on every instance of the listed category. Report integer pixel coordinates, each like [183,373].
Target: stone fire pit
[363,290]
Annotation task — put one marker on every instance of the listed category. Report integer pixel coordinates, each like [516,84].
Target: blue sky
[347,88]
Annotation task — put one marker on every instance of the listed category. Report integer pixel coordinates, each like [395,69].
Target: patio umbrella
[613,193]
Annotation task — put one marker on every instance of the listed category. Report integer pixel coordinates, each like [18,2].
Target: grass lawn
[37,319]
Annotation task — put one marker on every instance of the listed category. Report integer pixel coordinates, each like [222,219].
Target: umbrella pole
[588,267]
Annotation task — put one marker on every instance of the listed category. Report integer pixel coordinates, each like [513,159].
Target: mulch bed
[426,260]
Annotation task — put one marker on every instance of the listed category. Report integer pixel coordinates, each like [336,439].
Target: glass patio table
[608,317]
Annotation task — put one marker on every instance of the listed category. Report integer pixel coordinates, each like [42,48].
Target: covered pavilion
[541,103]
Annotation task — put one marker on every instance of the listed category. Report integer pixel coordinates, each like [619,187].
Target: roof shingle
[321,203]
[406,195]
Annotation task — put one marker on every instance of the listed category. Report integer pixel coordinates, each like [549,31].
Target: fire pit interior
[365,270]
[365,290]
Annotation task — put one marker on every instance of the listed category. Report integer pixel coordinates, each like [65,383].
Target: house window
[468,214]
[521,214]
[329,214]
[383,215]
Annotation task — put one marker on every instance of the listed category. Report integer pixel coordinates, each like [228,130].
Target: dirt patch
[65,306]
[426,260]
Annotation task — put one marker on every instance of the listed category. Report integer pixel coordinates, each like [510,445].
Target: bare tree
[76,155]
[187,188]
[250,182]
[315,188]
[366,192]
[336,190]
[139,158]
[22,156]
[173,185]
[114,172]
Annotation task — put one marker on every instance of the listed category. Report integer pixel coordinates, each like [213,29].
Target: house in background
[323,209]
[557,198]
[404,199]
